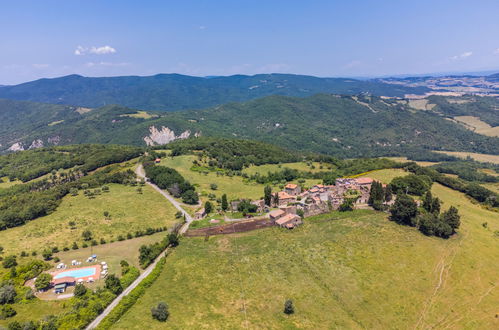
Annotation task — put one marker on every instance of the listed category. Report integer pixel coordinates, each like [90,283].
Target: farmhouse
[62,283]
[289,221]
[276,214]
[200,214]
[285,198]
[292,189]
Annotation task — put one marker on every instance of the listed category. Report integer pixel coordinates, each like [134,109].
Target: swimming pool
[77,273]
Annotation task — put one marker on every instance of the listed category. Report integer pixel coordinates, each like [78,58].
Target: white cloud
[202,27]
[94,64]
[80,50]
[352,65]
[496,51]
[462,56]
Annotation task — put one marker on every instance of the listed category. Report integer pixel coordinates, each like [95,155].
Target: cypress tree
[225,204]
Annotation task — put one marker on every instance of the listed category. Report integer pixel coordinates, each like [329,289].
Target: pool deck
[95,277]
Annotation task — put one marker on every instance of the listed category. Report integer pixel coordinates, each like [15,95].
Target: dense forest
[341,126]
[169,92]
[32,164]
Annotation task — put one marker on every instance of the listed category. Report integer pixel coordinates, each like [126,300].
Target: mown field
[129,211]
[350,270]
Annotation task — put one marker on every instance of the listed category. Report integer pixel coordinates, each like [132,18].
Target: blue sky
[323,38]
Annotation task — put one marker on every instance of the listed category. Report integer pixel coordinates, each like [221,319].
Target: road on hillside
[188,219]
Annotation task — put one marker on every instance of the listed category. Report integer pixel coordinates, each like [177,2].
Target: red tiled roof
[364,180]
[276,213]
[291,186]
[286,218]
[284,195]
[66,279]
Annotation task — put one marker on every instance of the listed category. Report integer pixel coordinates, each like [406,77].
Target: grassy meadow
[300,166]
[478,157]
[129,210]
[342,270]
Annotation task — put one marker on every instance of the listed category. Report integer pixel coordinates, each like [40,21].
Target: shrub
[80,290]
[6,312]
[113,284]
[9,261]
[160,312]
[7,294]
[288,307]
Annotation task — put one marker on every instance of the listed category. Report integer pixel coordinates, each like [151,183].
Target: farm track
[140,173]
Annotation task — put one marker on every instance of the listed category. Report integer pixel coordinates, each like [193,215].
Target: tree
[87,235]
[267,195]
[225,204]
[80,290]
[190,197]
[73,192]
[9,261]
[404,211]
[178,215]
[7,294]
[173,239]
[160,312]
[435,206]
[43,281]
[428,223]
[428,201]
[452,218]
[388,193]
[213,186]
[376,196]
[208,207]
[113,284]
[276,199]
[47,254]
[288,307]
[1,249]
[347,205]
[74,246]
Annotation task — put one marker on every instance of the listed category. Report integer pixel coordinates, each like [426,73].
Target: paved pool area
[83,273]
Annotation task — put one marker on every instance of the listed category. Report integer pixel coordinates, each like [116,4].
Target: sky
[356,38]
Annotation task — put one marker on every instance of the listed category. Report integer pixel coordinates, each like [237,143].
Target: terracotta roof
[276,213]
[291,186]
[286,218]
[284,195]
[66,279]
[364,180]
[290,225]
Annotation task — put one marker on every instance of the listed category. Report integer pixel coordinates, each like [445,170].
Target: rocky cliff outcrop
[164,136]
[16,147]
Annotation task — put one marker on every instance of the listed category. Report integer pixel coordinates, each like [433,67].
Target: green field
[478,157]
[350,270]
[129,210]
[300,166]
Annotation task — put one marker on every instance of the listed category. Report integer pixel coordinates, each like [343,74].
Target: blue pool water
[76,273]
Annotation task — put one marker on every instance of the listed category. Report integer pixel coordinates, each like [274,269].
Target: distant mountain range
[168,92]
[344,126]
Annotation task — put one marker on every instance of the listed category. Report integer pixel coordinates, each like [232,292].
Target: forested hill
[343,126]
[166,92]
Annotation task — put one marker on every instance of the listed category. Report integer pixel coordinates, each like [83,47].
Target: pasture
[129,211]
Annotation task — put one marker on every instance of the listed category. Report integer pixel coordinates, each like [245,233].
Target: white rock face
[36,144]
[16,147]
[163,136]
[55,140]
